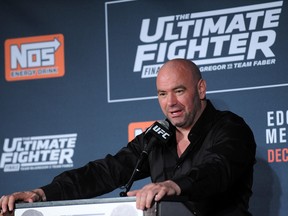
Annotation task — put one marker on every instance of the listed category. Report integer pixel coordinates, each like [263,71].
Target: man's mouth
[176,113]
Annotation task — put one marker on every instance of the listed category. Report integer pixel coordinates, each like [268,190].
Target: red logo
[136,128]
[34,57]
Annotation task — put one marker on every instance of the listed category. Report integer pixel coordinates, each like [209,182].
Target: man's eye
[179,91]
[161,94]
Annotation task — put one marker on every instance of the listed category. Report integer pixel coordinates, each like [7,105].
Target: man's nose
[171,100]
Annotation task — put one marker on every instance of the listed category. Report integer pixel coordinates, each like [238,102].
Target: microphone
[158,132]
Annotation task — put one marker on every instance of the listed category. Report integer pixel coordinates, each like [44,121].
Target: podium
[122,206]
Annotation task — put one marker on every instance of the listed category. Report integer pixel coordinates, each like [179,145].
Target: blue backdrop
[78,76]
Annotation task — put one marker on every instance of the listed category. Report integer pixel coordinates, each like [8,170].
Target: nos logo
[34,57]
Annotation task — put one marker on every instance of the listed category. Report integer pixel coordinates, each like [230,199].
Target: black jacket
[215,172]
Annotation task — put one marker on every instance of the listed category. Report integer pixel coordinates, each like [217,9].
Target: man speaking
[208,158]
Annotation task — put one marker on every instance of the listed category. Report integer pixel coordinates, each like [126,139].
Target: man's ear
[202,89]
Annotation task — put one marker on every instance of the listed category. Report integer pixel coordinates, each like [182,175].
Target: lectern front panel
[90,207]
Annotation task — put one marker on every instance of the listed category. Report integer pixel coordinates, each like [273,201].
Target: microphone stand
[137,169]
[164,127]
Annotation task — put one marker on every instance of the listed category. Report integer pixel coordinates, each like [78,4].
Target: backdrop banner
[78,81]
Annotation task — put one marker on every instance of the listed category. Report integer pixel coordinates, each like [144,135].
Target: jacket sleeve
[96,177]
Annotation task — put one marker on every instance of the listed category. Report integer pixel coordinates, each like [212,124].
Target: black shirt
[215,172]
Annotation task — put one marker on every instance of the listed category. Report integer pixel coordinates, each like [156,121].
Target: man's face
[178,95]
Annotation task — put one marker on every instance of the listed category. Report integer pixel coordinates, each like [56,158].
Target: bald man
[209,158]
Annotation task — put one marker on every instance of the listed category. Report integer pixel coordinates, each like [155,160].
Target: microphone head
[160,130]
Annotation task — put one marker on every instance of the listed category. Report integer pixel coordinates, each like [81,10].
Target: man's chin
[177,123]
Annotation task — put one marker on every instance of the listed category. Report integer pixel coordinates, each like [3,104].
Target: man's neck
[182,140]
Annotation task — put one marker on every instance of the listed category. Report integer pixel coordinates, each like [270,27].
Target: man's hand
[7,202]
[154,192]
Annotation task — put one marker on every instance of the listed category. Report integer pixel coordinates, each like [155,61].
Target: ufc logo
[161,132]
